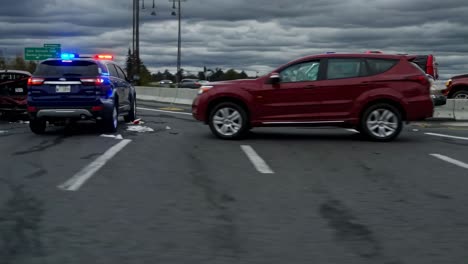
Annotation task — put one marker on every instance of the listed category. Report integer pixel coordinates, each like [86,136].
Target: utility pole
[179,36]
[137,38]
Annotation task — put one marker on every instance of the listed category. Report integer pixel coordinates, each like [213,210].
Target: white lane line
[164,111]
[450,160]
[75,182]
[256,160]
[446,136]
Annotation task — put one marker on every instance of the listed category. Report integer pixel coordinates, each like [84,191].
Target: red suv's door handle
[310,86]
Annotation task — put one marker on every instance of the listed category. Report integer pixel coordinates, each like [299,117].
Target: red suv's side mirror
[274,77]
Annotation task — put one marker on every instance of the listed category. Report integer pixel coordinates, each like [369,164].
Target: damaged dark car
[13,91]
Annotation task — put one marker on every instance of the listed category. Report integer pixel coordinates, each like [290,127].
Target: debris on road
[140,129]
[112,136]
[137,122]
[168,127]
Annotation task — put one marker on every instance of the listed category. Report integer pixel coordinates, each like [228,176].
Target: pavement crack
[40,172]
[347,230]
[438,195]
[224,232]
[45,144]
[20,219]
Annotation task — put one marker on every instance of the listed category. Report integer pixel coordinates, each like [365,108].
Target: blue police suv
[74,87]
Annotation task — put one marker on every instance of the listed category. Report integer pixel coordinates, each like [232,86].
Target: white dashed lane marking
[446,136]
[75,182]
[256,160]
[450,160]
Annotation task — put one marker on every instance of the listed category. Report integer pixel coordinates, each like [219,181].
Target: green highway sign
[52,46]
[41,53]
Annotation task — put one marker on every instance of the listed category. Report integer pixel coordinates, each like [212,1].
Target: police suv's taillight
[32,109]
[35,81]
[92,81]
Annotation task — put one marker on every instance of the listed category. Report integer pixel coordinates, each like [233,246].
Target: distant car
[457,87]
[372,93]
[190,83]
[73,88]
[13,90]
[165,82]
[203,82]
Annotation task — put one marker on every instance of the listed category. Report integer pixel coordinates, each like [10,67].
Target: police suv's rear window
[71,68]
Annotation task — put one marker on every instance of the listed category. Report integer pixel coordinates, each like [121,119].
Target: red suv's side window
[345,68]
[301,72]
[377,66]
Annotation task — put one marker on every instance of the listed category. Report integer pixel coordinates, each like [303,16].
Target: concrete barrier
[454,109]
[460,110]
[167,95]
[445,111]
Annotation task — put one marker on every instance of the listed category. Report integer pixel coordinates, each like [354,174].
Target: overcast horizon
[254,36]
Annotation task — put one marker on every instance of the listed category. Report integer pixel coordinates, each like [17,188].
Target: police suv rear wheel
[38,126]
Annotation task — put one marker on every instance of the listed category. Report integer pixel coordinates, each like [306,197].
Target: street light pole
[137,38]
[179,37]
[179,41]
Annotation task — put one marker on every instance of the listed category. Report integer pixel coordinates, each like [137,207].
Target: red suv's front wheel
[228,121]
[381,122]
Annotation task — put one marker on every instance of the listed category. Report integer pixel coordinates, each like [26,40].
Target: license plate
[19,90]
[63,88]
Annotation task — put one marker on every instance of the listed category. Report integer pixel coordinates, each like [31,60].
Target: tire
[110,122]
[226,124]
[38,126]
[463,94]
[132,112]
[381,122]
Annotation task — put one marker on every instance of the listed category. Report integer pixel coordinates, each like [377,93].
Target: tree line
[146,77]
[18,63]
[207,74]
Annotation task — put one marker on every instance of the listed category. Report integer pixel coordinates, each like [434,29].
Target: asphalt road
[283,195]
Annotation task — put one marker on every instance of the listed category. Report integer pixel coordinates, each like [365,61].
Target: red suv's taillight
[92,81]
[422,79]
[35,81]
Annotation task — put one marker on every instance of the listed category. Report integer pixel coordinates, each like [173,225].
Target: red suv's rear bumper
[419,109]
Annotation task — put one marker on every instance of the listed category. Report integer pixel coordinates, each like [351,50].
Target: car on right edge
[457,87]
[372,93]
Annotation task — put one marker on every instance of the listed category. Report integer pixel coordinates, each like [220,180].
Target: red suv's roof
[349,55]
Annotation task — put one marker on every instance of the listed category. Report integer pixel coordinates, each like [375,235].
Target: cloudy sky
[250,35]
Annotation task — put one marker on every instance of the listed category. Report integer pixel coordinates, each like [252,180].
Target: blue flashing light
[68,56]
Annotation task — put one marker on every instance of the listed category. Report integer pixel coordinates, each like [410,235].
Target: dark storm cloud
[252,35]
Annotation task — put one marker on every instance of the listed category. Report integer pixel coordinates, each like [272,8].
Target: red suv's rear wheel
[381,122]
[228,121]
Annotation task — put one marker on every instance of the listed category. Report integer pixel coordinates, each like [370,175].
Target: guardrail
[454,109]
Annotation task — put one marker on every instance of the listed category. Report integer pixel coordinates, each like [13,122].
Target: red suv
[457,87]
[373,93]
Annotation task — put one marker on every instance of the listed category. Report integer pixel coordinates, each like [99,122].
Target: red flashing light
[32,109]
[92,81]
[97,108]
[103,57]
[35,81]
